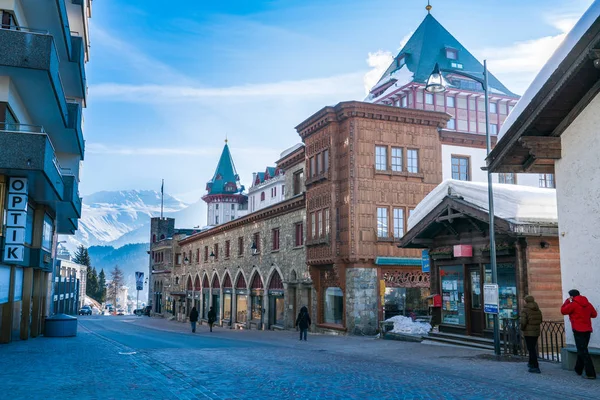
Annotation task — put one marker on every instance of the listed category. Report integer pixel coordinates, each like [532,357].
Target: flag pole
[162,197]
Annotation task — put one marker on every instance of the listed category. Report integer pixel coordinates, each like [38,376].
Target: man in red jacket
[580,313]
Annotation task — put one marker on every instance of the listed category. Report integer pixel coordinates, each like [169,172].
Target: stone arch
[240,280]
[197,283]
[293,276]
[256,282]
[189,284]
[275,280]
[274,269]
[227,282]
[215,282]
[205,282]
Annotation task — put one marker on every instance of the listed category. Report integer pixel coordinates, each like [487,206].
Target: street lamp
[437,84]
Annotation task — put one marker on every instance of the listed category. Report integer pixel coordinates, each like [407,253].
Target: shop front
[227,300]
[205,297]
[256,302]
[241,302]
[216,298]
[276,302]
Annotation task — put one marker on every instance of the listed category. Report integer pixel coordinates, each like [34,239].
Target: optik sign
[16,220]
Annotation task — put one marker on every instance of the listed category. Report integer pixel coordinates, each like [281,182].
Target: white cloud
[341,85]
[405,40]
[378,61]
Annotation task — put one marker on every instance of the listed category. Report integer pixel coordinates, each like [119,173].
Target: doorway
[475,284]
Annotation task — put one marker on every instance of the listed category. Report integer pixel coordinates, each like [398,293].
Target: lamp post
[437,84]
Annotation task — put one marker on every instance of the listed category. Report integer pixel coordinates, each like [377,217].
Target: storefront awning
[397,261]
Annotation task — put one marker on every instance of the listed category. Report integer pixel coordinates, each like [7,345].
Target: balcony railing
[25,128]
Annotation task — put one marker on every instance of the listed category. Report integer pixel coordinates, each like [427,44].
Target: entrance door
[475,300]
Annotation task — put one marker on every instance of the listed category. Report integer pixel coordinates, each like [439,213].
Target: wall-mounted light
[212,255]
[254,248]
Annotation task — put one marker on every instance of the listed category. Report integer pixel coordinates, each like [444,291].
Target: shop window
[380,158]
[205,303]
[227,306]
[47,233]
[382,222]
[507,292]
[508,177]
[460,168]
[453,295]
[256,307]
[334,306]
[413,161]
[299,239]
[397,159]
[408,302]
[398,223]
[241,308]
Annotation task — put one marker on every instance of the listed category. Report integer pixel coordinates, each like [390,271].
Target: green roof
[397,261]
[225,179]
[428,45]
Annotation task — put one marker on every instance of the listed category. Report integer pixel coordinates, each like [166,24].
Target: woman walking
[212,318]
[193,318]
[303,322]
[531,319]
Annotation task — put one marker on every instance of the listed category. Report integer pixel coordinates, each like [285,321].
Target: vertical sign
[425,267]
[16,220]
[490,299]
[139,281]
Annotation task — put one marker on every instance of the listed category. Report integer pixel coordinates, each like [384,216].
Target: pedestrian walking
[212,317]
[530,321]
[193,318]
[303,322]
[580,313]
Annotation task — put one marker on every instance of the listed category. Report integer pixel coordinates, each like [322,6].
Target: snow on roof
[572,38]
[513,203]
[291,150]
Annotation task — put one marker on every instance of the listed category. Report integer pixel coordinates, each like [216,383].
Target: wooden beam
[7,310]
[542,147]
[425,242]
[477,227]
[575,111]
[528,163]
[450,228]
[450,217]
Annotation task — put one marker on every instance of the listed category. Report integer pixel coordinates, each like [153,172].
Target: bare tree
[117,281]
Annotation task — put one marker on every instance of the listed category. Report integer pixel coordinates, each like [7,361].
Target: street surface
[150,358]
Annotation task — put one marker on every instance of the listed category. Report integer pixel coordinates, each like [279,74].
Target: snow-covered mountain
[122,217]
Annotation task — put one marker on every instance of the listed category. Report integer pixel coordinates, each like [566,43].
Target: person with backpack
[212,318]
[303,322]
[530,321]
[193,318]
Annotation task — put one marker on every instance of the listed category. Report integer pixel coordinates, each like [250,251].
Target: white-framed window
[397,159]
[451,123]
[404,101]
[510,108]
[398,222]
[412,161]
[313,226]
[428,98]
[493,108]
[450,102]
[547,181]
[460,168]
[493,129]
[382,222]
[451,54]
[508,177]
[456,65]
[381,158]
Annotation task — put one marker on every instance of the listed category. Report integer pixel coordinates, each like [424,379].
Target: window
[299,239]
[547,180]
[326,220]
[400,61]
[282,190]
[8,20]
[256,241]
[460,168]
[493,108]
[233,206]
[398,222]
[313,169]
[313,226]
[216,220]
[413,161]
[216,206]
[396,159]
[451,54]
[380,158]
[273,192]
[507,178]
[510,108]
[29,226]
[453,311]
[241,308]
[493,129]
[319,168]
[216,251]
[205,253]
[227,247]
[240,246]
[319,224]
[450,102]
[326,160]
[47,233]
[298,178]
[451,124]
[334,306]
[456,65]
[382,222]
[428,98]
[197,256]
[262,196]
[404,101]
[275,239]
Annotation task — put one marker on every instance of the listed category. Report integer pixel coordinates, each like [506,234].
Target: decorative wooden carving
[406,279]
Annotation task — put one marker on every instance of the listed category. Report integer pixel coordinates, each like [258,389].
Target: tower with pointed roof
[463,139]
[225,196]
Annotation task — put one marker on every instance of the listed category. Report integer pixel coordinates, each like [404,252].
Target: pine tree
[116,283]
[101,294]
[91,288]
[82,256]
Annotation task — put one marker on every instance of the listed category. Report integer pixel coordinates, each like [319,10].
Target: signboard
[16,218]
[490,299]
[425,266]
[139,281]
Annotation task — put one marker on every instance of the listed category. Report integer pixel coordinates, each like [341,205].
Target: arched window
[241,282]
[162,237]
[276,282]
[197,283]
[227,282]
[256,281]
[215,282]
[189,283]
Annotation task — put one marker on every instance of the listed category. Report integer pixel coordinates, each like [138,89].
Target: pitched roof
[427,46]
[225,179]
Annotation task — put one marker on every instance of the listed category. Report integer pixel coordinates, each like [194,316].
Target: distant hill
[130,258]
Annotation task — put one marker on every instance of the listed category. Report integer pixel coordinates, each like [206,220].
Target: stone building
[252,270]
[368,166]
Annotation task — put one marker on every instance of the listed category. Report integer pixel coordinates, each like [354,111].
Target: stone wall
[361,301]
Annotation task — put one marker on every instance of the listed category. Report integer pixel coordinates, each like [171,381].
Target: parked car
[85,310]
[138,311]
[120,312]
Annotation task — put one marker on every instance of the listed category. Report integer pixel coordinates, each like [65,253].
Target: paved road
[149,358]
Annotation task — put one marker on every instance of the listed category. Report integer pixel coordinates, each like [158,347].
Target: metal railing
[550,342]
[23,128]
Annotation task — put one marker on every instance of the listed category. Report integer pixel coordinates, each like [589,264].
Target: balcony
[73,142]
[73,72]
[30,59]
[70,207]
[28,152]
[53,16]
[66,226]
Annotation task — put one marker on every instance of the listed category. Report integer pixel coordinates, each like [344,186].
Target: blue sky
[167,83]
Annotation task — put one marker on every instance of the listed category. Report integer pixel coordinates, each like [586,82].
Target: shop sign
[229,290]
[16,220]
[425,267]
[276,292]
[490,299]
[463,250]
[241,291]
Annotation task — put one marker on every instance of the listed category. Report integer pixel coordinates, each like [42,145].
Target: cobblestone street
[144,358]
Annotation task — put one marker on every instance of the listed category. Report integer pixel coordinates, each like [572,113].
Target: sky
[168,84]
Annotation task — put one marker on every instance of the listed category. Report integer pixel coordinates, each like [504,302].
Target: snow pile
[408,326]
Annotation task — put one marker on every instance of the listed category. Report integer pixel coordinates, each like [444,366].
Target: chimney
[253,178]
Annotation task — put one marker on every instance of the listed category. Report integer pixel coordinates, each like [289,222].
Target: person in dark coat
[580,313]
[212,317]
[193,318]
[531,319]
[303,322]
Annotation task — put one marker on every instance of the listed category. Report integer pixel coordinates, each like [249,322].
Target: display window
[216,304]
[256,307]
[242,308]
[205,302]
[277,310]
[334,306]
[405,301]
[453,295]
[507,292]
[227,306]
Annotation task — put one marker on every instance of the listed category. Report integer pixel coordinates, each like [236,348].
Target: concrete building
[76,272]
[45,45]
[553,130]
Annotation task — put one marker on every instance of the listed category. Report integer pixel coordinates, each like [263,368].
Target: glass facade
[453,295]
[334,306]
[507,291]
[256,309]
[405,301]
[205,302]
[227,306]
[277,310]
[242,308]
[216,304]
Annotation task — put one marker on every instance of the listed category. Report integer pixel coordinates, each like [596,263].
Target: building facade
[368,166]
[78,274]
[42,94]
